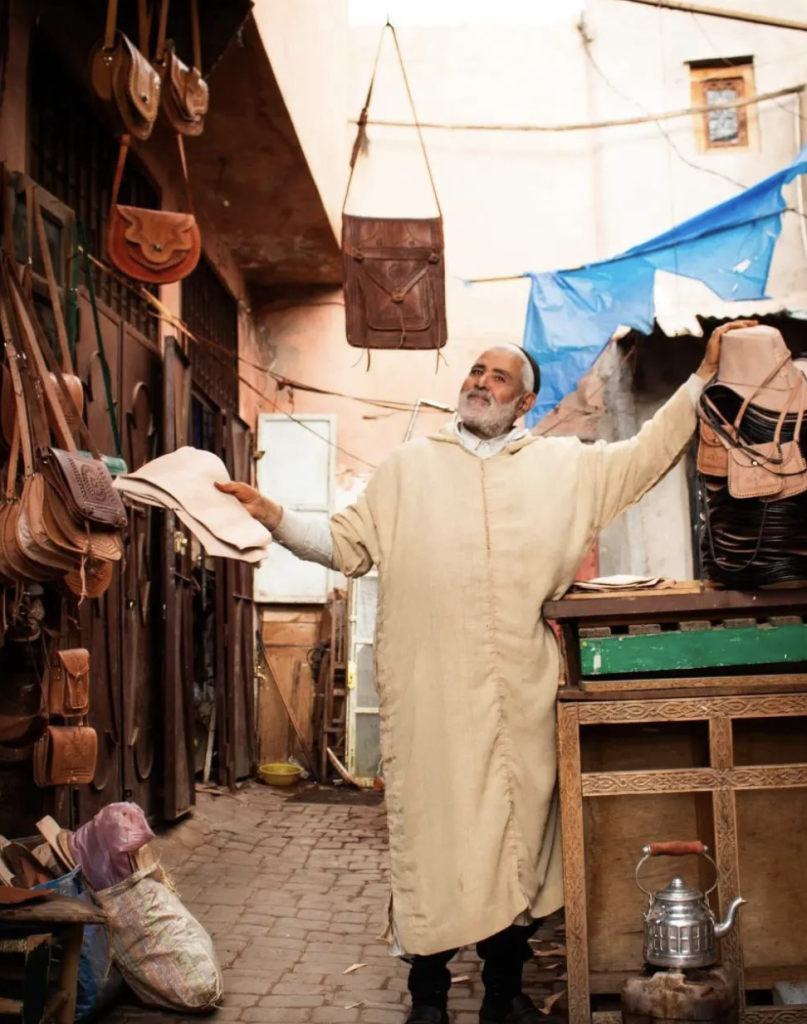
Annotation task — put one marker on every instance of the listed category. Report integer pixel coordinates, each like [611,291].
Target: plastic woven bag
[160,948]
[98,981]
[102,846]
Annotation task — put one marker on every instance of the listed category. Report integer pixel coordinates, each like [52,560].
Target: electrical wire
[648,117]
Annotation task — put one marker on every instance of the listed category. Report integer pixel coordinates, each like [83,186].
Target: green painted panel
[709,648]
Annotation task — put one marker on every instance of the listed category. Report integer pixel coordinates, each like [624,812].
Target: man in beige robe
[472,530]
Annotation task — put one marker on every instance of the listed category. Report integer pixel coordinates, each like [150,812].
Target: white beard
[488,421]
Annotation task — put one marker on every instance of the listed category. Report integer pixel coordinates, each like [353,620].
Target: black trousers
[503,956]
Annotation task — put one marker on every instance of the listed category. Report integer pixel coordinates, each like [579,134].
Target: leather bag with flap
[65,756]
[394,269]
[68,683]
[153,246]
[394,282]
[185,96]
[122,76]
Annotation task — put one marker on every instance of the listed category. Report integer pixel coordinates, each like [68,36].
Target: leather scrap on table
[623,582]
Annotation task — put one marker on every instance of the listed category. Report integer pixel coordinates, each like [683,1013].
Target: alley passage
[294,895]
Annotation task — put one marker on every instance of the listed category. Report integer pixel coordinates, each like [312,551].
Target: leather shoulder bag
[394,268]
[122,76]
[67,681]
[65,756]
[185,95]
[153,246]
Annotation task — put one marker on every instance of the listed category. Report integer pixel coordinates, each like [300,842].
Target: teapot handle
[676,848]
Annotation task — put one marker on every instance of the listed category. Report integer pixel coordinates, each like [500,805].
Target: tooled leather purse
[394,268]
[122,76]
[65,756]
[153,246]
[185,95]
[67,682]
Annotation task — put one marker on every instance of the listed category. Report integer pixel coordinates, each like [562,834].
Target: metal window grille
[73,156]
[211,314]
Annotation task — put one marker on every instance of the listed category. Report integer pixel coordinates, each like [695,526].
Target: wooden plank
[602,606]
[683,686]
[675,651]
[59,910]
[574,863]
[291,613]
[290,634]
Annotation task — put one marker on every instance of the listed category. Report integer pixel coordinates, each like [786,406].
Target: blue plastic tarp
[571,314]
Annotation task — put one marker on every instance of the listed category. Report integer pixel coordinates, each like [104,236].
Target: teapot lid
[679,892]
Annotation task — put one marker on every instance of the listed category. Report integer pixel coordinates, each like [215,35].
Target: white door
[362,741]
[296,470]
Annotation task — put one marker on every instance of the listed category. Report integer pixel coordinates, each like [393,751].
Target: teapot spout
[728,924]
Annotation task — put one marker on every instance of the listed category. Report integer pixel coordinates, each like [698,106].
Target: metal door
[178,745]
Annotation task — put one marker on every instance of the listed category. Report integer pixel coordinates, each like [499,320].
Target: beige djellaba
[467,552]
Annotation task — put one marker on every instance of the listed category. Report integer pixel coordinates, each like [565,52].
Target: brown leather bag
[185,95]
[394,282]
[67,682]
[394,270]
[65,756]
[154,246]
[122,76]
[713,454]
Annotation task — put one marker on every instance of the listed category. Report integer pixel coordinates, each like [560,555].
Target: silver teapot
[679,927]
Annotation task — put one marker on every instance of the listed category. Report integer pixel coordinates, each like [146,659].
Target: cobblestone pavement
[294,894]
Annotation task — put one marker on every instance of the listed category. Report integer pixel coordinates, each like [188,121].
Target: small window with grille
[724,86]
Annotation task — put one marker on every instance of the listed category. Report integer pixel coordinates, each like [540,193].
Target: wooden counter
[706,745]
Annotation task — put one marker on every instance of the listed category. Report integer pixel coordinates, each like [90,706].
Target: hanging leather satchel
[185,95]
[394,268]
[65,756]
[121,75]
[394,282]
[154,246]
[67,682]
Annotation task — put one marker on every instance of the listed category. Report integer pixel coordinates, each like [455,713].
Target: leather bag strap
[143,26]
[22,430]
[739,418]
[362,130]
[111,24]
[125,142]
[36,345]
[159,53]
[197,36]
[8,212]
[123,152]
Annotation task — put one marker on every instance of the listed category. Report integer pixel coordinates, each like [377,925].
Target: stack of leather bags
[753,431]
[183,482]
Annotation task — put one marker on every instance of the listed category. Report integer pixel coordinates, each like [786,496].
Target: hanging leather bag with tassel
[153,246]
[185,95]
[394,268]
[122,76]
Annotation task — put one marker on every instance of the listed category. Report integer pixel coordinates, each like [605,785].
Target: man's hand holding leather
[266,511]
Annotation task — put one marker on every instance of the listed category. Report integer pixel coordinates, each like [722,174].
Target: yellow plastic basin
[279,774]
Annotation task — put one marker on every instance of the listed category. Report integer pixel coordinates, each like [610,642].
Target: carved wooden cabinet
[716,752]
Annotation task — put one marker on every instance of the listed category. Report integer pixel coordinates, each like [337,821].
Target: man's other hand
[263,509]
[711,359]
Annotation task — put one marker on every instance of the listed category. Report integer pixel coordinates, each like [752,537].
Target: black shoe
[521,1010]
[427,1015]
